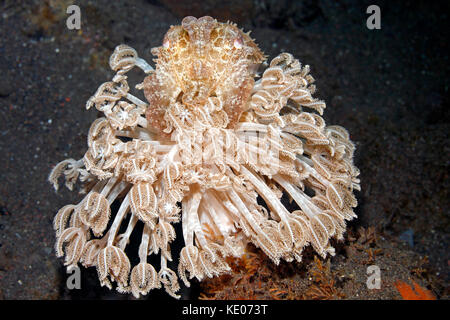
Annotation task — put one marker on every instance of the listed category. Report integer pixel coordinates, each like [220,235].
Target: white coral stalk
[207,148]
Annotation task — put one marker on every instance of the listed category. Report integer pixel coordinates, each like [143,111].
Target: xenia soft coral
[209,147]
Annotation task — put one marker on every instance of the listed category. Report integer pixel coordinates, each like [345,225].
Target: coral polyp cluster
[212,148]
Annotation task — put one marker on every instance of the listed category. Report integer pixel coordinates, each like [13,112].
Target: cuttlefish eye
[166,43]
[238,43]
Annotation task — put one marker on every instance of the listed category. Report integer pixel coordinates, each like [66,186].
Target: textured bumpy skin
[215,147]
[200,60]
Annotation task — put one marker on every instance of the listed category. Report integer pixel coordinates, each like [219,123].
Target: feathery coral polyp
[212,148]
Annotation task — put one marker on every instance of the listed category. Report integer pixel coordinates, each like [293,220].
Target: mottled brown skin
[200,59]
[237,101]
[158,103]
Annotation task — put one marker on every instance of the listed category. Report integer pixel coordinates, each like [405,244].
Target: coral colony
[213,148]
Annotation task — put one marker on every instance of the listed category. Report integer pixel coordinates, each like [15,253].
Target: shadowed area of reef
[388,87]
